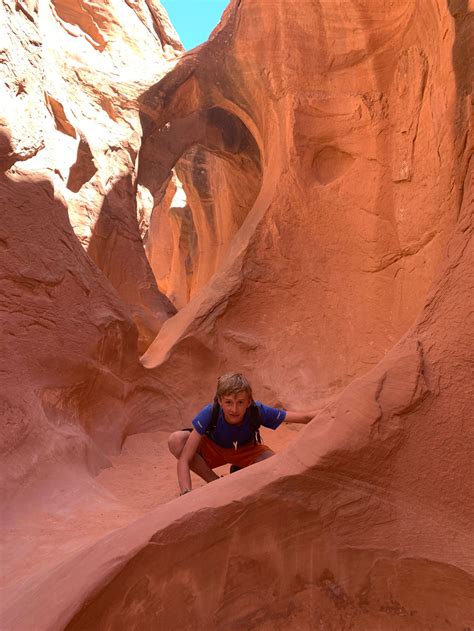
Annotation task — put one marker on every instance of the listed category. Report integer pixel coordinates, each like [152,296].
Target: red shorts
[216,456]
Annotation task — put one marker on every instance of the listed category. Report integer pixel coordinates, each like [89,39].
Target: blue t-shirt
[227,435]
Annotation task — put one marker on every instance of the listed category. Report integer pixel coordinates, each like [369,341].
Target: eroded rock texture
[219,164]
[71,74]
[351,142]
[319,222]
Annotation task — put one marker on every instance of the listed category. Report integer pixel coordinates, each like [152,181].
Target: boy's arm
[188,453]
[300,417]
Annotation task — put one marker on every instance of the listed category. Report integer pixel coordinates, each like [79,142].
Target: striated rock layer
[343,274]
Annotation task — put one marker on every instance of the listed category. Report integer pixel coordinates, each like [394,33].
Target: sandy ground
[141,478]
[144,475]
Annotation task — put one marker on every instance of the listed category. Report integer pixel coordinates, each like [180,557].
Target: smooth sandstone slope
[70,76]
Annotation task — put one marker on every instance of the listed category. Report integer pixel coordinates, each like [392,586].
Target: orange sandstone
[324,247]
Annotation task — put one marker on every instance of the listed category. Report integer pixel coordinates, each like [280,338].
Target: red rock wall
[72,323]
[358,191]
[221,178]
[364,522]
[71,77]
[358,247]
[63,333]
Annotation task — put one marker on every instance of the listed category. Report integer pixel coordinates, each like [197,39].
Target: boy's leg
[198,465]
[264,455]
[249,455]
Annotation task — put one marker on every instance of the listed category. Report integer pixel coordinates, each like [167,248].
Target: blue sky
[194,19]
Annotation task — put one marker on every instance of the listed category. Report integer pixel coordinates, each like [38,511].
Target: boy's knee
[176,442]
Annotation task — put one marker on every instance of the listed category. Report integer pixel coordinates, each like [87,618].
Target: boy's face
[234,406]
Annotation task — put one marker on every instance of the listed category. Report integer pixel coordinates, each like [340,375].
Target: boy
[226,432]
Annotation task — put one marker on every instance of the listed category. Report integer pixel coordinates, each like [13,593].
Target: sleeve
[271,417]
[202,421]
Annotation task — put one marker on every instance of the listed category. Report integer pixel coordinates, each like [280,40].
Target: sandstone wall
[70,76]
[221,178]
[348,281]
[353,109]
[72,322]
[358,247]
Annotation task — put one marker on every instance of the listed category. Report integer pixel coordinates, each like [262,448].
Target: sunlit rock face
[71,77]
[329,212]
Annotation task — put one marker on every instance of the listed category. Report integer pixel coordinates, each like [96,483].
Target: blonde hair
[231,383]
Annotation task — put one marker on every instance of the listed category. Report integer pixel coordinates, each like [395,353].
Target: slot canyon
[292,199]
